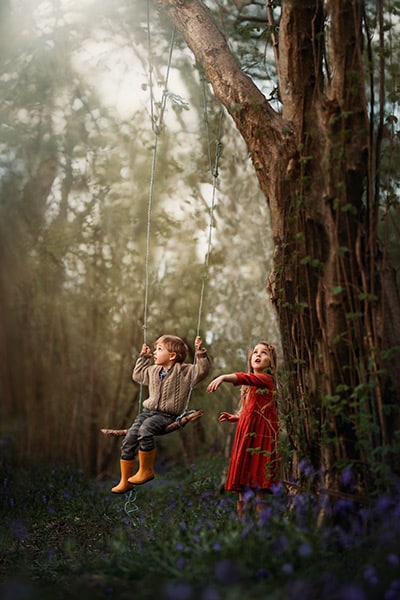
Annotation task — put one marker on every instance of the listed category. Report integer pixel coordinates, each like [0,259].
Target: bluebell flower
[287,568]
[305,550]
[300,589]
[181,563]
[277,489]
[19,530]
[393,593]
[343,506]
[210,524]
[306,468]
[369,575]
[227,572]
[352,592]
[210,593]
[265,515]
[178,591]
[346,477]
[217,547]
[392,559]
[248,495]
[383,504]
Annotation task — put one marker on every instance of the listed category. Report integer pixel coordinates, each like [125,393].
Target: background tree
[75,164]
[318,158]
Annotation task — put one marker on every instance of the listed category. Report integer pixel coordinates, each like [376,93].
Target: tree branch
[259,124]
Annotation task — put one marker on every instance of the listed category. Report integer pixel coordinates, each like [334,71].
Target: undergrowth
[65,536]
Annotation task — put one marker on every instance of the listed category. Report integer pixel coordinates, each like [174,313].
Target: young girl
[254,462]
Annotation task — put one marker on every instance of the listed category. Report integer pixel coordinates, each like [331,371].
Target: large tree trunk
[333,290]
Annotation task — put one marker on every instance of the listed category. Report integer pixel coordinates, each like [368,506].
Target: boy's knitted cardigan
[170,394]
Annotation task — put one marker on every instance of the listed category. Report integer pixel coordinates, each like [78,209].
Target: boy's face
[162,356]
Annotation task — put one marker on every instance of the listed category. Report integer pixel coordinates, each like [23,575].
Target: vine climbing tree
[318,159]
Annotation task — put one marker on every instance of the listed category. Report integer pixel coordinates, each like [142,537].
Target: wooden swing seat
[178,424]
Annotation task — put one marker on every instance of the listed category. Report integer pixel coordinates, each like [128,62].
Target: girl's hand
[198,342]
[145,350]
[215,383]
[225,416]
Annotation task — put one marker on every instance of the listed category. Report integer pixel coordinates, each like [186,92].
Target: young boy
[169,381]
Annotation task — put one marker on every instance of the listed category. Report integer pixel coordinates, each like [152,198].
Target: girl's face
[260,359]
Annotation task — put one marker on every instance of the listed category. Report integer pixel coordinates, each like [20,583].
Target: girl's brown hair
[271,371]
[272,357]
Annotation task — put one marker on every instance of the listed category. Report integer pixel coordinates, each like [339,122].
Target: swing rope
[156,124]
[215,172]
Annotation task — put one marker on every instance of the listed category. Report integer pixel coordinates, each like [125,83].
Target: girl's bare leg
[240,506]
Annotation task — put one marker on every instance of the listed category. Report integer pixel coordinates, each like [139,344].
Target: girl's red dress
[255,458]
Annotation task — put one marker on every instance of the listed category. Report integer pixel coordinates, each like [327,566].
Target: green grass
[65,536]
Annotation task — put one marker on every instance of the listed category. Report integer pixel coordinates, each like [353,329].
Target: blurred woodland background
[89,90]
[76,151]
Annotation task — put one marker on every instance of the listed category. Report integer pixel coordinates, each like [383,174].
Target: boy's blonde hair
[173,343]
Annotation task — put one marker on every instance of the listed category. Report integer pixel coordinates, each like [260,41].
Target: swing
[188,415]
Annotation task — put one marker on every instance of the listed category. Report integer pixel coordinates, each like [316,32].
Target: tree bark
[331,284]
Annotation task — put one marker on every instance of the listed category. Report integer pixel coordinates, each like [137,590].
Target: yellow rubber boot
[127,468]
[146,467]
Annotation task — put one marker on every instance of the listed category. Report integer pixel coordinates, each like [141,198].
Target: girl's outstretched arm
[215,383]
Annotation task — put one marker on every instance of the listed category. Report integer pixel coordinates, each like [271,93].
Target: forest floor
[64,536]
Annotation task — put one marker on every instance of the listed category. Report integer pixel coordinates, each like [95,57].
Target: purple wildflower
[369,575]
[19,530]
[227,572]
[178,591]
[346,477]
[305,550]
[210,593]
[217,547]
[287,568]
[306,468]
[392,559]
[393,593]
[300,589]
[277,489]
[352,592]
